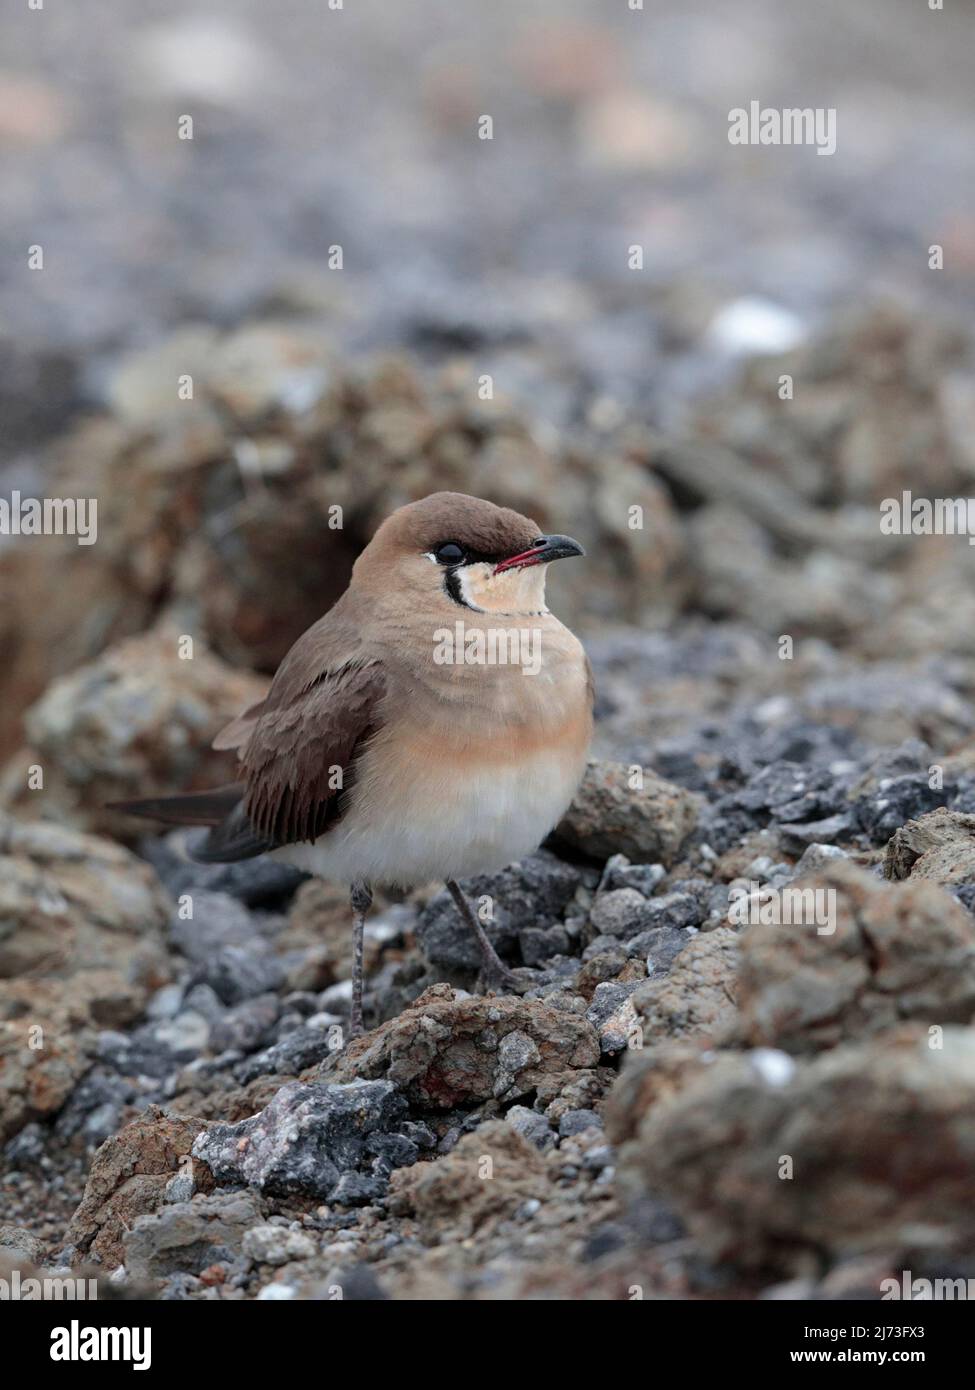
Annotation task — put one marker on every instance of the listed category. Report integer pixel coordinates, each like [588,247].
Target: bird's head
[465,551]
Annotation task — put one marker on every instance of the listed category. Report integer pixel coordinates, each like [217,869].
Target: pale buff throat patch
[517,591]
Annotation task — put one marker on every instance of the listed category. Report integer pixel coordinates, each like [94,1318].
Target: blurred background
[357,126]
[657,387]
[614,387]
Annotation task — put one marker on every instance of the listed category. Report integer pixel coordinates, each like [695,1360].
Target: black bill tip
[544,549]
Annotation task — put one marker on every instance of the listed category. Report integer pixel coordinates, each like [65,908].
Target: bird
[434,724]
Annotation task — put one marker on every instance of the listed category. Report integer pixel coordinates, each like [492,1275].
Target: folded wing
[298,749]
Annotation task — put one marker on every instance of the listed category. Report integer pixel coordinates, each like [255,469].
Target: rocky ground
[181,1112]
[684,1101]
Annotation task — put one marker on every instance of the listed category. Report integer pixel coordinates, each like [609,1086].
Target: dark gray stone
[533,893]
[359,1285]
[305,1047]
[892,802]
[218,920]
[660,947]
[839,827]
[185,1237]
[246,1026]
[531,1126]
[620,873]
[236,973]
[307,1138]
[575,1121]
[539,944]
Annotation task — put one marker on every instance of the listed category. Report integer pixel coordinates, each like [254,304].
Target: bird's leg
[360,896]
[493,968]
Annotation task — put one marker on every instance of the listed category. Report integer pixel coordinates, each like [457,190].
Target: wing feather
[298,748]
[298,765]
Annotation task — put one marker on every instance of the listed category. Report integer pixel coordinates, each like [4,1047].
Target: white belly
[445,823]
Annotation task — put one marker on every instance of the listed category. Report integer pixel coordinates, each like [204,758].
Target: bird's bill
[546,548]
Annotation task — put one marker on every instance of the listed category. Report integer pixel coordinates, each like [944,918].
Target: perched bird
[432,725]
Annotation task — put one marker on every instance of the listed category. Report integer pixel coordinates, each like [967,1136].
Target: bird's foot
[494,973]
[504,981]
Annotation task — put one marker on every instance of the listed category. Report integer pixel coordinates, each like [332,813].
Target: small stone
[620,873]
[532,894]
[531,1126]
[516,1053]
[816,856]
[448,1049]
[236,973]
[539,944]
[181,1186]
[894,800]
[621,912]
[613,1016]
[697,996]
[270,1245]
[576,1121]
[18,1244]
[450,1198]
[659,947]
[277,1293]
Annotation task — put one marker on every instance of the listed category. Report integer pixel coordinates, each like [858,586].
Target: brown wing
[298,765]
[238,731]
[299,745]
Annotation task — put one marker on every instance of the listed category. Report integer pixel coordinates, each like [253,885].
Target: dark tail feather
[231,837]
[234,838]
[192,808]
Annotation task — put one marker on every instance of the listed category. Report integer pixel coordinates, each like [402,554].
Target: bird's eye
[450,553]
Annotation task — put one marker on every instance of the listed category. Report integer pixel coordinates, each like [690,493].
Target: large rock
[620,809]
[46,1046]
[939,847]
[650,1075]
[138,720]
[338,1143]
[128,1179]
[483,1180]
[70,903]
[451,1049]
[81,948]
[697,996]
[898,951]
[867,1148]
[189,1236]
